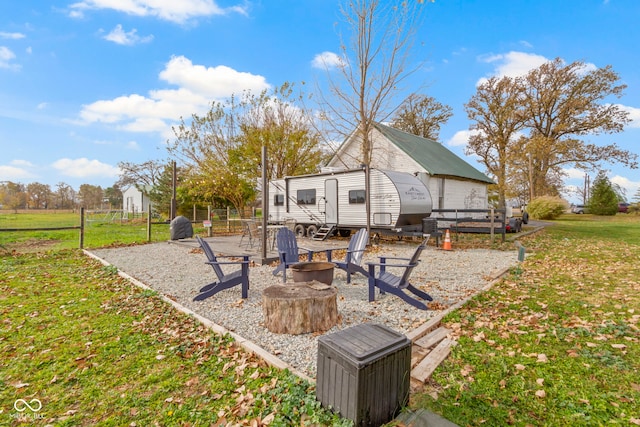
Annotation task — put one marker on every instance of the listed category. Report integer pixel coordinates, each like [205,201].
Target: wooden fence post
[82,228]
[492,213]
[149,223]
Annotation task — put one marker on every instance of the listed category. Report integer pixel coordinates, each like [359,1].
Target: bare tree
[554,106]
[65,196]
[222,149]
[374,62]
[422,115]
[563,103]
[277,121]
[140,175]
[497,112]
[38,195]
[13,195]
[90,196]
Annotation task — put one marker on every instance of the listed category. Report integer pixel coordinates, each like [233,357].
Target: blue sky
[85,84]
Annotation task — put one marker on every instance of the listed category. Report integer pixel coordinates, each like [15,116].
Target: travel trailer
[329,202]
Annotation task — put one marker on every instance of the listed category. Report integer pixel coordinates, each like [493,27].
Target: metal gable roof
[434,157]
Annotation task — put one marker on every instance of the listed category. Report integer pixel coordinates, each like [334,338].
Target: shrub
[634,208]
[604,200]
[546,207]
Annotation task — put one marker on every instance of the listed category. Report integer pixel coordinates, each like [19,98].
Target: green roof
[434,157]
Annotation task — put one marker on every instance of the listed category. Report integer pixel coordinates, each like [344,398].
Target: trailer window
[278,200]
[306,197]
[356,196]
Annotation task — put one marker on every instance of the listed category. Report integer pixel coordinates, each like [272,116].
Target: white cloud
[119,36]
[630,186]
[461,138]
[573,173]
[12,173]
[143,124]
[42,105]
[11,36]
[513,64]
[83,168]
[167,10]
[327,61]
[22,163]
[212,82]
[634,115]
[132,145]
[461,51]
[6,56]
[198,86]
[16,171]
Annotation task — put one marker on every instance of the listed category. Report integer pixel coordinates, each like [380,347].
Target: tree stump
[300,308]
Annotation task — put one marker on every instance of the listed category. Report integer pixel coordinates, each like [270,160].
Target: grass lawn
[557,343]
[92,349]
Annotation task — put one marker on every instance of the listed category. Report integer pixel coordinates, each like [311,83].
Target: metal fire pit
[308,271]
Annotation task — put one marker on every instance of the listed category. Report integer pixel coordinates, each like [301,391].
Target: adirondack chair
[288,251]
[355,251]
[225,281]
[396,285]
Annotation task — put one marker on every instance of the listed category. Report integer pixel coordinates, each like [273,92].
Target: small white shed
[134,200]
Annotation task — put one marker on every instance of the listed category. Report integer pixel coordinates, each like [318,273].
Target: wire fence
[113,226]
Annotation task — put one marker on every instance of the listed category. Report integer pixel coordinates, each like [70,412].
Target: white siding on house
[447,192]
[386,155]
[458,194]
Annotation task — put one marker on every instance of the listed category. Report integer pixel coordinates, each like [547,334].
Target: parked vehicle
[520,213]
[514,225]
[330,202]
[623,207]
[579,209]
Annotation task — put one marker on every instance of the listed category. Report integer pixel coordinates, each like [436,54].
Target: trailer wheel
[299,230]
[344,233]
[311,231]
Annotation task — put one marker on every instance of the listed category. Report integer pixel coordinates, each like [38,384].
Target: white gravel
[179,272]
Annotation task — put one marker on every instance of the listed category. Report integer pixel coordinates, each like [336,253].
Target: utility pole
[173,213]
[265,203]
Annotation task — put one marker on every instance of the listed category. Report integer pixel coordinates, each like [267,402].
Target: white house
[134,200]
[452,182]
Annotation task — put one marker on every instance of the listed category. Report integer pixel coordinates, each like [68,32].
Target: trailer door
[331,201]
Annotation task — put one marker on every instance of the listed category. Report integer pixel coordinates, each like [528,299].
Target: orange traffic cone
[447,241]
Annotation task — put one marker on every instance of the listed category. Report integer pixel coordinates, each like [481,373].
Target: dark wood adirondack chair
[397,285]
[288,251]
[355,251]
[225,281]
